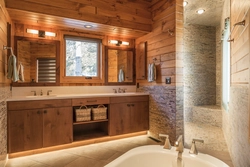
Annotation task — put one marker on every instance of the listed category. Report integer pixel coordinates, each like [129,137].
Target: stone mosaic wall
[236,126]
[166,110]
[4,94]
[200,67]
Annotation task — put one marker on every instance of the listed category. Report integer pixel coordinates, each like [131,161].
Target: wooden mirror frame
[106,66]
[57,44]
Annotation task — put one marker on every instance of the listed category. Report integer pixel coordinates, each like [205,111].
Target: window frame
[226,69]
[82,79]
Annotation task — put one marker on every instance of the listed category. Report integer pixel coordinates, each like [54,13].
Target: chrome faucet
[193,149]
[48,92]
[34,92]
[179,144]
[167,144]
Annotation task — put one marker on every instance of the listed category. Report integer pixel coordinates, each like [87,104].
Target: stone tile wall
[4,94]
[236,126]
[200,67]
[165,110]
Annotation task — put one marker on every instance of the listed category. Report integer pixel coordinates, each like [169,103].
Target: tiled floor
[95,155]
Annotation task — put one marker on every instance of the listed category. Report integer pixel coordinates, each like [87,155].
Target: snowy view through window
[81,58]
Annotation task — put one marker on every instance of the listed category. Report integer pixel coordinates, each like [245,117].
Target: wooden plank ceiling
[124,18]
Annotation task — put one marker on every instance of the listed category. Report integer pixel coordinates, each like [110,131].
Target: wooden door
[24,130]
[58,123]
[119,119]
[15,131]
[139,116]
[33,129]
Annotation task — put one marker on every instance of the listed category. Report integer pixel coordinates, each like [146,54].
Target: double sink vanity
[36,122]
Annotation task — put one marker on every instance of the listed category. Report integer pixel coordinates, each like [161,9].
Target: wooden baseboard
[75,144]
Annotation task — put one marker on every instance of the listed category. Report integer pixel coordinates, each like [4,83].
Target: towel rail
[6,47]
[242,23]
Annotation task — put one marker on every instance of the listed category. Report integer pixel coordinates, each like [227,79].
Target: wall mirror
[40,60]
[119,66]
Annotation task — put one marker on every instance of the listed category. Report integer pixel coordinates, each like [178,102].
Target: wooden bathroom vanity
[35,123]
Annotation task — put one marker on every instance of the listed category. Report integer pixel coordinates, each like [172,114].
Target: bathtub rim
[158,148]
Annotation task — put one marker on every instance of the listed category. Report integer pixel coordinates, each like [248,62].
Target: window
[82,58]
[226,65]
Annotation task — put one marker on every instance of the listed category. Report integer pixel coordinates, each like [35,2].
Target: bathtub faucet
[193,149]
[179,144]
[179,148]
[167,144]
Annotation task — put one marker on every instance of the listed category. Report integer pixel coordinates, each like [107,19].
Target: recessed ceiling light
[185,3]
[88,26]
[200,11]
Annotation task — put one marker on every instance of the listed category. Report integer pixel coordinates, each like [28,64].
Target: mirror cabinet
[119,66]
[40,60]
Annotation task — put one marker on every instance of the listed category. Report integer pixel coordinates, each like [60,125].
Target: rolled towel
[121,76]
[12,71]
[20,72]
[151,72]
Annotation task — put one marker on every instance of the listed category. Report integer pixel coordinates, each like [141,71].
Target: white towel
[20,72]
[151,72]
[12,71]
[121,76]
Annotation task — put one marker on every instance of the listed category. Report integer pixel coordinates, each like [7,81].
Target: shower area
[202,87]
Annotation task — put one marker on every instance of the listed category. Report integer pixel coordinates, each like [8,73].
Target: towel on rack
[121,76]
[12,71]
[20,72]
[151,72]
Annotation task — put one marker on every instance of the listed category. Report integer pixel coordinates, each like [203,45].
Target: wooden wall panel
[4,18]
[240,50]
[165,42]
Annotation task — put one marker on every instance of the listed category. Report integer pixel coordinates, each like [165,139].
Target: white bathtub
[156,156]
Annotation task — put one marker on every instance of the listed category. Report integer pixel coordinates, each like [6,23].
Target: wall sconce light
[118,42]
[41,33]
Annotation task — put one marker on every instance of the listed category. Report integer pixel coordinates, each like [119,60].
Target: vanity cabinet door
[57,124]
[24,130]
[139,116]
[119,119]
[128,117]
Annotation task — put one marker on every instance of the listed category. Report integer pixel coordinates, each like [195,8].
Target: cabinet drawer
[33,104]
[129,99]
[90,101]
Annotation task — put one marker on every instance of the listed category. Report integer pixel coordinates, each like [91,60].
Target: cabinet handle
[38,112]
[91,100]
[132,105]
[128,105]
[45,111]
[58,113]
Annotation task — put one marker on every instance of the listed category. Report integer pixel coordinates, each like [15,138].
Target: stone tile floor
[94,155]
